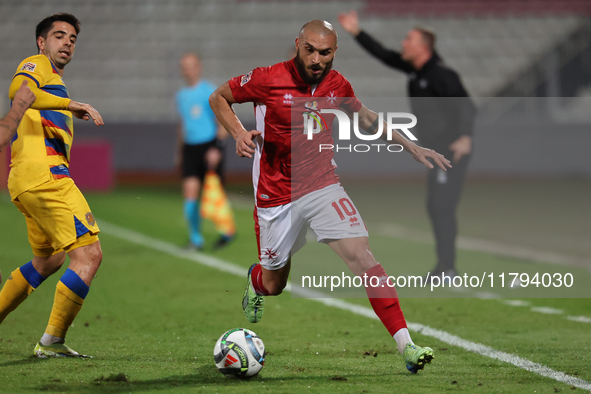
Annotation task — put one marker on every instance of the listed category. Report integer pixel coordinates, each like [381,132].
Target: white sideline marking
[166,247]
[502,356]
[201,258]
[481,245]
[548,310]
[486,295]
[516,302]
[580,319]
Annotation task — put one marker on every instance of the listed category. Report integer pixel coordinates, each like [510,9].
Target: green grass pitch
[151,319]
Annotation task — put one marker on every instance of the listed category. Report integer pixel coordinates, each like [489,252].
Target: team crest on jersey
[90,219]
[28,66]
[332,98]
[313,120]
[311,105]
[245,78]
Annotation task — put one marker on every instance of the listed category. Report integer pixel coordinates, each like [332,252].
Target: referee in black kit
[446,125]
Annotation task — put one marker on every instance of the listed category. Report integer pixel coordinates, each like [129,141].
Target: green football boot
[416,357]
[56,350]
[253,304]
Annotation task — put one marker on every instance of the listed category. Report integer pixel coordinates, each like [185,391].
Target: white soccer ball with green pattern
[239,353]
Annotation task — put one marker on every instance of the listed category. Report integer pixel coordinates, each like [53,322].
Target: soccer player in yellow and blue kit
[58,218]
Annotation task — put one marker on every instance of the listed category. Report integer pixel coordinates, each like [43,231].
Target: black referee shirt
[440,121]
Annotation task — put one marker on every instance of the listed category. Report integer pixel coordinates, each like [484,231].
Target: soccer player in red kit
[286,203]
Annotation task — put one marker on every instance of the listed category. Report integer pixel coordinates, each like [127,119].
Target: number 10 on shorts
[344,205]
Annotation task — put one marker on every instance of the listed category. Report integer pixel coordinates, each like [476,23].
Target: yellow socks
[17,288]
[69,296]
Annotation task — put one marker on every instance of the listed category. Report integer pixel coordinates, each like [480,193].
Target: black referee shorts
[194,163]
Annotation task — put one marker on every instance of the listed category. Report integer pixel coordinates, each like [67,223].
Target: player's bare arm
[221,103]
[23,99]
[47,101]
[367,117]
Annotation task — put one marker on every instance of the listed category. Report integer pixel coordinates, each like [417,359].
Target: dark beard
[311,80]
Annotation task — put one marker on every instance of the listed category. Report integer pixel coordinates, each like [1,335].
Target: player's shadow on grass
[204,375]
[25,361]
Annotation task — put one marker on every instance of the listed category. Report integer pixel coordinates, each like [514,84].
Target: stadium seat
[128,51]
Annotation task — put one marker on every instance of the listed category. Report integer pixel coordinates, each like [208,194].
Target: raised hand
[350,22]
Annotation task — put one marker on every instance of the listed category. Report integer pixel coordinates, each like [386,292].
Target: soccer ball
[239,353]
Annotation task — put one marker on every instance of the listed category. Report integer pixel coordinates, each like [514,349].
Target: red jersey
[287,165]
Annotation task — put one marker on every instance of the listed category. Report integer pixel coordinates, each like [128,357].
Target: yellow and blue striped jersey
[41,146]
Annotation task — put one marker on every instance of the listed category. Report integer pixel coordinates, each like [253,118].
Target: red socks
[384,300]
[256,277]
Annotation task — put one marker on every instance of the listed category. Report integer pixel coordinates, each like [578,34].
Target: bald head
[319,27]
[190,66]
[190,56]
[316,46]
